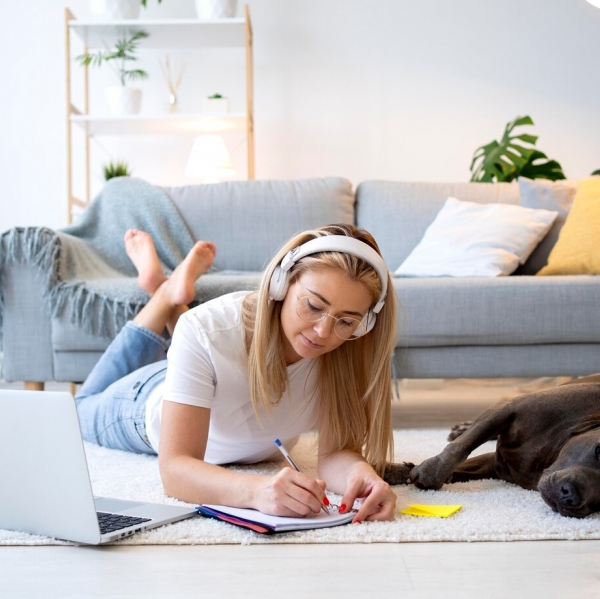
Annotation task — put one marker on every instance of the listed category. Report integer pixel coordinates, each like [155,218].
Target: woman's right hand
[290,493]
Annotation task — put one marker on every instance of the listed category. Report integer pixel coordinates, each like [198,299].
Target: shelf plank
[165,124]
[168,33]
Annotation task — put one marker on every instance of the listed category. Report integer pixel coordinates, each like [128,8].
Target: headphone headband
[338,243]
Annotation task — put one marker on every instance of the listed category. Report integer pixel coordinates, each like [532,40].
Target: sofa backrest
[397,213]
[250,220]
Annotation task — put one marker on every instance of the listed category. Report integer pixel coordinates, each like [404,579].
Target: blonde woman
[311,348]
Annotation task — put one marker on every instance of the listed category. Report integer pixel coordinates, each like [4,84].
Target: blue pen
[290,461]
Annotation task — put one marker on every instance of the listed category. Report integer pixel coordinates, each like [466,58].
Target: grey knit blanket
[84,268]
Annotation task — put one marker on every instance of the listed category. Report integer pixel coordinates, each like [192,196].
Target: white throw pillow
[467,239]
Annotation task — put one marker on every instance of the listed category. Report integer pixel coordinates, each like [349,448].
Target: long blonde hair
[354,380]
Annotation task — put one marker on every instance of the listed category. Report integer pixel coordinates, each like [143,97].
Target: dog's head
[571,485]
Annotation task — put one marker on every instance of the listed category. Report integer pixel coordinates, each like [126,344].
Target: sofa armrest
[27,347]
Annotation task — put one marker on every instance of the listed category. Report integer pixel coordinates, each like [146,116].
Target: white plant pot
[208,10]
[115,9]
[123,100]
[214,105]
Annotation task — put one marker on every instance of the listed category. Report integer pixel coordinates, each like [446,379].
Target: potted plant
[118,168]
[512,157]
[216,103]
[121,99]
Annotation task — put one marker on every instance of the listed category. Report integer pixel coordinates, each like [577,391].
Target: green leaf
[116,169]
[134,74]
[546,169]
[124,50]
[596,172]
[506,160]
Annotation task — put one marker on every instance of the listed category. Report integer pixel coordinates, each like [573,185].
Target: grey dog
[549,441]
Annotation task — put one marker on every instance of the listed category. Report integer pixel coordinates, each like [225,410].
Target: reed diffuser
[172,75]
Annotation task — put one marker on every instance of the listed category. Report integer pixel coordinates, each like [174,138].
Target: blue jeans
[112,402]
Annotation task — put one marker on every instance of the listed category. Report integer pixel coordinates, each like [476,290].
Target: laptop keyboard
[111,522]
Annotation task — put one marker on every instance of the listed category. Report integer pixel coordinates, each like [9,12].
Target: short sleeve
[190,372]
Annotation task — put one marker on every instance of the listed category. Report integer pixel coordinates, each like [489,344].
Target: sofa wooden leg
[34,386]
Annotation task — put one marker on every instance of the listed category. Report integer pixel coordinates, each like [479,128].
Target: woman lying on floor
[311,347]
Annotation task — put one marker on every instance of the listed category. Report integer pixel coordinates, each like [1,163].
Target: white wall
[365,89]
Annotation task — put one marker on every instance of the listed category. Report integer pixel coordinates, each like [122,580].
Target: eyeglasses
[312,309]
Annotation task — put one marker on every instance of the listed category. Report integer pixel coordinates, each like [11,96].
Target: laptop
[45,486]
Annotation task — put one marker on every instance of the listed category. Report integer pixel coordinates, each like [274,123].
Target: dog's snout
[569,495]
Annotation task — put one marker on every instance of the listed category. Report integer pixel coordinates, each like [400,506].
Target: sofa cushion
[576,251]
[498,311]
[470,239]
[549,195]
[397,213]
[250,220]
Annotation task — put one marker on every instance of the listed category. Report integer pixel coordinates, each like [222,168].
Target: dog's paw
[458,429]
[431,474]
[398,474]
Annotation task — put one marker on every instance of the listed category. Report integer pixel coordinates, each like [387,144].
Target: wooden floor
[541,569]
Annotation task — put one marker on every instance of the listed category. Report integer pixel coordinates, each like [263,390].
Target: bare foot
[180,286]
[141,251]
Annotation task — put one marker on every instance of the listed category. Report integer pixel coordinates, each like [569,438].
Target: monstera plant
[513,156]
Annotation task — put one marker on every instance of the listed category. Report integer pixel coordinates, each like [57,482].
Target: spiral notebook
[266,524]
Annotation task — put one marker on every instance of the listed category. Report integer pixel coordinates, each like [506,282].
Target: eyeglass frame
[325,313]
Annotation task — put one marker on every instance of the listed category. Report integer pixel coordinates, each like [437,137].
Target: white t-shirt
[208,367]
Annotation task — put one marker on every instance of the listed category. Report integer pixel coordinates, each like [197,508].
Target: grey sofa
[449,327]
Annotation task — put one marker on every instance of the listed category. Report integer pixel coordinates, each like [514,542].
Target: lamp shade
[595,3]
[209,159]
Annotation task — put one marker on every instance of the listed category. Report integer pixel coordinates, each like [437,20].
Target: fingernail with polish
[356,522]
[342,508]
[325,500]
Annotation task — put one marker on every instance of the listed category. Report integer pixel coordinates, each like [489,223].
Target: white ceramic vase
[106,10]
[216,105]
[208,10]
[123,100]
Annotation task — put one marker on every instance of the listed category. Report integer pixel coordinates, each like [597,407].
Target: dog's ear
[587,423]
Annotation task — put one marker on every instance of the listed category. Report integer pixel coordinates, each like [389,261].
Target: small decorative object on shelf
[115,9]
[173,77]
[216,104]
[118,168]
[121,99]
[207,10]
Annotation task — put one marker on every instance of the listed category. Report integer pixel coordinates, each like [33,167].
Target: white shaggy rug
[492,510]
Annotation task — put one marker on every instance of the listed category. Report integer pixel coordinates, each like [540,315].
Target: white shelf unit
[171,33]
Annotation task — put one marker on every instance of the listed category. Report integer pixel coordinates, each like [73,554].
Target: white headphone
[280,279]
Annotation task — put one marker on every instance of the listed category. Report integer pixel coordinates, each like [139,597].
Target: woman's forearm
[194,481]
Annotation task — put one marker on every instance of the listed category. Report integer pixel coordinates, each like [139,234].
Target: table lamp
[209,160]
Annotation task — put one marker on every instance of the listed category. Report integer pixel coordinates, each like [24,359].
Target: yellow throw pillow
[577,251]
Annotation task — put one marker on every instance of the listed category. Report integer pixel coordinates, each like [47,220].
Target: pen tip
[277,442]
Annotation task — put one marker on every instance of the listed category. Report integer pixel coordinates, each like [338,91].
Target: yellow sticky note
[431,511]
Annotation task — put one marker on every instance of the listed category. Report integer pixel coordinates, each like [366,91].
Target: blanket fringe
[88,310]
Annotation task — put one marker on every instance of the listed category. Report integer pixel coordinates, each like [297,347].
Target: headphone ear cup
[368,321]
[279,284]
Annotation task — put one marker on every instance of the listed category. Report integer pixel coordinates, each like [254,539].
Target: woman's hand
[378,499]
[290,493]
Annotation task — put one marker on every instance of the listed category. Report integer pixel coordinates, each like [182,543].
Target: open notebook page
[274,523]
